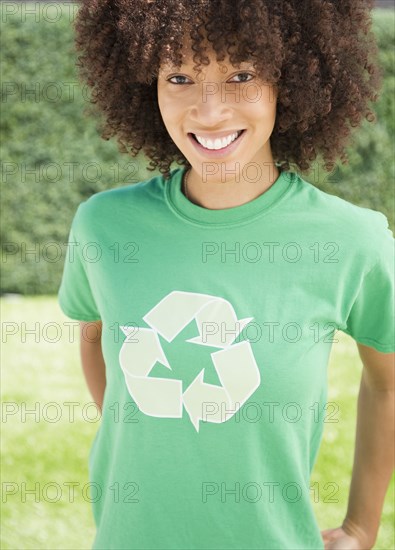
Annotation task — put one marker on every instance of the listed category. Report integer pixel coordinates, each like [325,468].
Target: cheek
[167,110]
[162,100]
[259,111]
[259,103]
[169,106]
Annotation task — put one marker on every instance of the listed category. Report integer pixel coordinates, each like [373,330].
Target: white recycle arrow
[235,364]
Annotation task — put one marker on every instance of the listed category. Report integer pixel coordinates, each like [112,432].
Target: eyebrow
[170,66]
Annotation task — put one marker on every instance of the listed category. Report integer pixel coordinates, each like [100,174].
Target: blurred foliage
[53,157]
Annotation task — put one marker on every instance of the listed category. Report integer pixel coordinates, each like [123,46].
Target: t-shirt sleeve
[371,318]
[75,295]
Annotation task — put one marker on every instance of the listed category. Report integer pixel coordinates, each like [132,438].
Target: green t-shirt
[217,329]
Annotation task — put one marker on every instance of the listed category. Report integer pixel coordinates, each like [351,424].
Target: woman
[216,288]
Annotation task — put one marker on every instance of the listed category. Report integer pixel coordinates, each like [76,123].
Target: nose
[210,108]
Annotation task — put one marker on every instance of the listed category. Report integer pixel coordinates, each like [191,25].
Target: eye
[244,74]
[176,76]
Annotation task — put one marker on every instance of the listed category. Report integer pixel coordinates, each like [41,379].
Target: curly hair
[321,55]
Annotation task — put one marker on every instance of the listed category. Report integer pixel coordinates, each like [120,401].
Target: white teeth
[217,143]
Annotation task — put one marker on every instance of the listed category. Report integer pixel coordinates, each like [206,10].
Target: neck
[217,193]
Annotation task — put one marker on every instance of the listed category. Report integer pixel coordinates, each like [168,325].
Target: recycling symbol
[235,365]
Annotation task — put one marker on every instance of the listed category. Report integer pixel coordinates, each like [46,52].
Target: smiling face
[212,108]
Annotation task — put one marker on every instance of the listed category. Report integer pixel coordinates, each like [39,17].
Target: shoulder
[361,229]
[333,209]
[335,206]
[117,195]
[111,204]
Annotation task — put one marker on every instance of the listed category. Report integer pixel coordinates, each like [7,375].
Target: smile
[218,146]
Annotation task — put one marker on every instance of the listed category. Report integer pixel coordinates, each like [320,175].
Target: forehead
[187,61]
[187,54]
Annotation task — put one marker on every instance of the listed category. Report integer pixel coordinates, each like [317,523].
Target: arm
[374,446]
[92,359]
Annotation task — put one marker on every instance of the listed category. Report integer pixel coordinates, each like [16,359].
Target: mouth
[221,151]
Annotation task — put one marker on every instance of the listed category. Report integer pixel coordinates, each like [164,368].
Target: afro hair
[321,55]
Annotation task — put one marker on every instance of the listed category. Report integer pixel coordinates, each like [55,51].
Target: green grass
[43,372]
[46,452]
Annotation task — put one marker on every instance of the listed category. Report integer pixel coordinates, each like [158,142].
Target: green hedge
[53,157]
